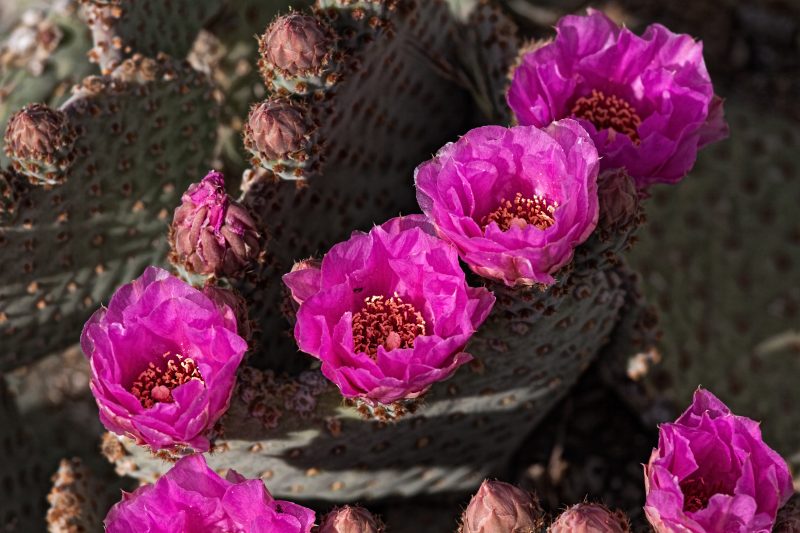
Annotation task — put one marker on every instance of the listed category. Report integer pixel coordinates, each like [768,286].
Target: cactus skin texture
[720,259]
[150,27]
[788,520]
[78,503]
[142,134]
[23,477]
[490,46]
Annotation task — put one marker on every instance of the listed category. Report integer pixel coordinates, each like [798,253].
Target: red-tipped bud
[39,140]
[499,506]
[211,234]
[276,129]
[349,519]
[296,44]
[590,518]
[619,201]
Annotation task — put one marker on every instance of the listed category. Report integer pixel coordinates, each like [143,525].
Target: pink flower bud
[211,233]
[296,44]
[349,519]
[276,129]
[590,518]
[619,201]
[39,141]
[499,506]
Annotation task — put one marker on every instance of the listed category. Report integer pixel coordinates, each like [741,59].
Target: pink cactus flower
[163,359]
[387,312]
[192,498]
[712,473]
[647,102]
[514,201]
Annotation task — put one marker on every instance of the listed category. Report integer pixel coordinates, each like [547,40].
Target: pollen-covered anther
[609,112]
[155,383]
[536,211]
[697,492]
[388,322]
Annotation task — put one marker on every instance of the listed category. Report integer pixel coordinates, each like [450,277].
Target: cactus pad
[142,134]
[23,476]
[121,28]
[720,259]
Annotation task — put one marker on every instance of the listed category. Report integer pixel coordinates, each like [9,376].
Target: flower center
[536,211]
[697,492]
[391,323]
[155,383]
[609,112]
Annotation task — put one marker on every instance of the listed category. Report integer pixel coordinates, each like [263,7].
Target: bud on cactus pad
[279,136]
[350,519]
[619,203]
[211,234]
[294,44]
[298,55]
[499,506]
[39,141]
[590,518]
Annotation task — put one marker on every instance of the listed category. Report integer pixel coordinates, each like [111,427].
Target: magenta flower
[388,312]
[712,473]
[514,201]
[163,359]
[647,101]
[192,498]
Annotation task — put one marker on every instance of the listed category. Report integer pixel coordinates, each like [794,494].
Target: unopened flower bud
[619,201]
[212,234]
[499,506]
[39,141]
[296,44]
[275,129]
[590,518]
[349,519]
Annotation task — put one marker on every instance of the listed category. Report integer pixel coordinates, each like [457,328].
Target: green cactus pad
[121,28]
[720,258]
[78,502]
[143,134]
[23,476]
